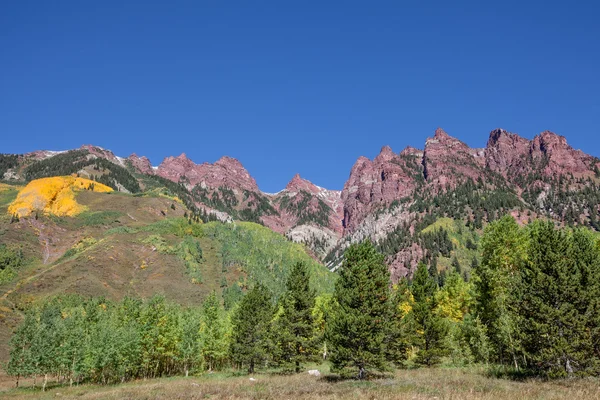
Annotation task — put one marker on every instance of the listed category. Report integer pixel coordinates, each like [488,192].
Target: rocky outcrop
[226,172]
[99,152]
[377,184]
[507,153]
[557,157]
[447,161]
[141,164]
[513,156]
[302,202]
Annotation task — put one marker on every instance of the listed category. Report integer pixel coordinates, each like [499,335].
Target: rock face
[226,172]
[99,152]
[448,161]
[378,183]
[297,190]
[379,192]
[513,156]
[142,164]
[507,153]
[553,150]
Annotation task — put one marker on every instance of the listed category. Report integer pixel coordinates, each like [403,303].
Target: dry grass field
[455,384]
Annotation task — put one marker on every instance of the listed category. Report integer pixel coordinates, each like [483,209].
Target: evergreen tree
[361,316]
[431,328]
[295,327]
[397,341]
[560,306]
[250,328]
[456,267]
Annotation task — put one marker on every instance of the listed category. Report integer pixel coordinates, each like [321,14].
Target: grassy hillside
[126,245]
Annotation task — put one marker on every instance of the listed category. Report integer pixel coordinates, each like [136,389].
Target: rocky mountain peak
[440,134]
[500,137]
[386,154]
[142,164]
[226,171]
[298,183]
[411,151]
[183,157]
[553,150]
[229,162]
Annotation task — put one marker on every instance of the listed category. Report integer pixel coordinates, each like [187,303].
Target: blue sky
[293,86]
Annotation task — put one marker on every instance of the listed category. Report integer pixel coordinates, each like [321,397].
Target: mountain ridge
[393,192]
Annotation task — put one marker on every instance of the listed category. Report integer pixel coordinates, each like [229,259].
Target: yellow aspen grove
[55,195]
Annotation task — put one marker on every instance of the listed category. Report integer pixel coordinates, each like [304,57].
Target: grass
[467,384]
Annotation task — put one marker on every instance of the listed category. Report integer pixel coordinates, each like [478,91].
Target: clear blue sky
[293,86]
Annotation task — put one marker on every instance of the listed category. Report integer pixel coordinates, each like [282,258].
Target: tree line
[532,305]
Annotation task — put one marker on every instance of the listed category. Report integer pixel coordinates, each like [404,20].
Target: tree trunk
[361,373]
[251,368]
[569,368]
[18,380]
[45,382]
[297,366]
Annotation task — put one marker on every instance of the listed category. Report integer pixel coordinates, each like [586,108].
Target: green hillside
[126,245]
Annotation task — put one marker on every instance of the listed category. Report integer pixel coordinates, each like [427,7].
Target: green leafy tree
[504,253]
[295,328]
[250,342]
[362,311]
[213,333]
[188,348]
[431,329]
[22,360]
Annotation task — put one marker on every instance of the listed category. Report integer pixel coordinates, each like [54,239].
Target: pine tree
[397,341]
[250,328]
[560,307]
[295,327]
[456,267]
[431,329]
[361,316]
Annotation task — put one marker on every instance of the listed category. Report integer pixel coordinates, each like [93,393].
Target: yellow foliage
[455,299]
[405,307]
[144,265]
[54,195]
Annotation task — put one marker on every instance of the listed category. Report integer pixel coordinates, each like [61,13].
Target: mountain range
[386,199]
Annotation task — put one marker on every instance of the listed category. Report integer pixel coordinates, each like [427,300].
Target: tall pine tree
[361,316]
[560,304]
[250,342]
[295,327]
[430,328]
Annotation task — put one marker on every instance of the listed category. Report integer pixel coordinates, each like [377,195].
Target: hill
[135,245]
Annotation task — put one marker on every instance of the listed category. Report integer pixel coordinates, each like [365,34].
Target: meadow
[473,383]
